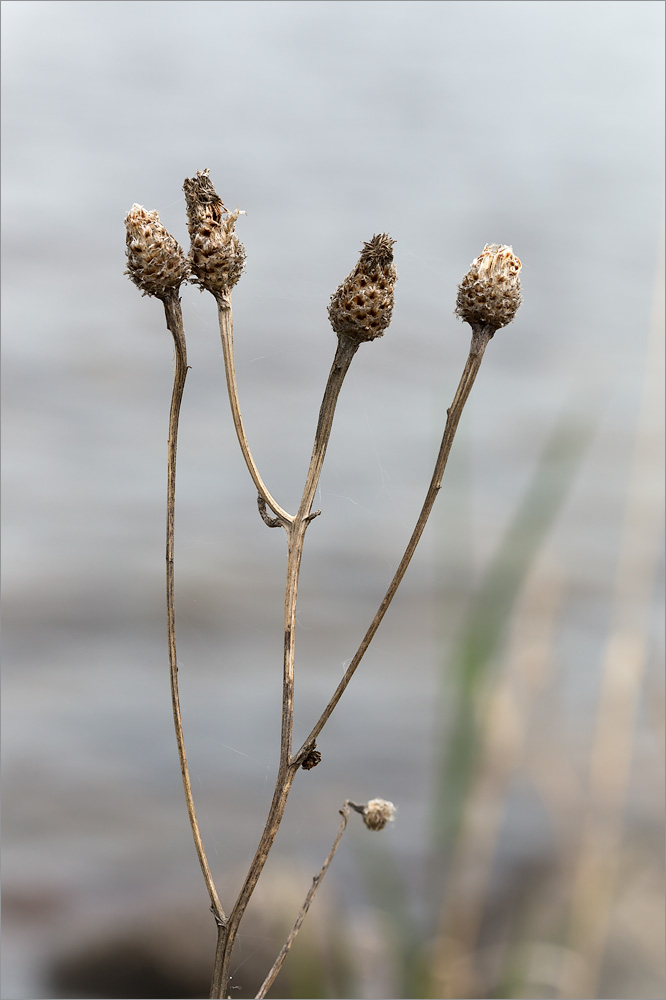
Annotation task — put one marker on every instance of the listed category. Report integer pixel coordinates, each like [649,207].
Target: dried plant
[359,311]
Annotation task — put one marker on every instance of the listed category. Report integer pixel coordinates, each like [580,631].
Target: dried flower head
[489,294]
[311,760]
[361,307]
[217,256]
[377,813]
[156,262]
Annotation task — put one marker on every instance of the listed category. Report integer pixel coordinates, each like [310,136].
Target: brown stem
[316,882]
[225,317]
[480,338]
[344,354]
[174,322]
[296,528]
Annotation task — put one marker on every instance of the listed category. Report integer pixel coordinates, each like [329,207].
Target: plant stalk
[296,528]
[225,317]
[174,322]
[480,338]
[316,882]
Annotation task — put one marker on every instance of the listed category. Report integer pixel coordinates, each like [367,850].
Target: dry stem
[316,882]
[296,526]
[480,339]
[174,321]
[225,317]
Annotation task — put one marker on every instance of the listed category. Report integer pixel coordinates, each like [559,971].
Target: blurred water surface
[447,125]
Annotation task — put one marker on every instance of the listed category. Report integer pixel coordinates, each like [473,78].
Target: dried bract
[489,294]
[362,306]
[377,813]
[217,256]
[156,262]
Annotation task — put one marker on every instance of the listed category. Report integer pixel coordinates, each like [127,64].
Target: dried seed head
[361,307]
[377,813]
[311,760]
[216,254]
[156,262]
[489,294]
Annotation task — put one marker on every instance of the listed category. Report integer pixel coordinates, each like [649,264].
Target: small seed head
[156,262]
[489,294]
[216,256]
[377,813]
[312,759]
[361,308]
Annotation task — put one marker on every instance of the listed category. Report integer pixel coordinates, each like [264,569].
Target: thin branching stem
[344,354]
[316,882]
[174,321]
[480,338]
[225,317]
[296,528]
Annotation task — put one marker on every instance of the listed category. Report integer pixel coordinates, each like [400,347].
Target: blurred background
[512,704]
